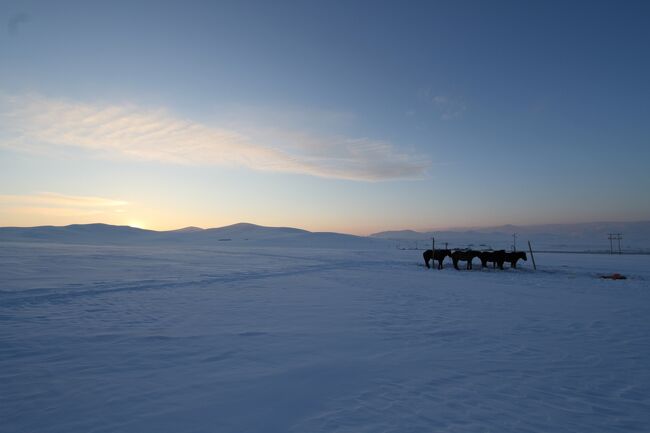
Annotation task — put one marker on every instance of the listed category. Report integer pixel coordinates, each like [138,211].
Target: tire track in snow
[53,295]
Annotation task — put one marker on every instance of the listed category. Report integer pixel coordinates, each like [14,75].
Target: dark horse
[514,256]
[464,255]
[438,255]
[496,257]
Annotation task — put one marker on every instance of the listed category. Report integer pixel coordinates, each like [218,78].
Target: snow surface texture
[283,339]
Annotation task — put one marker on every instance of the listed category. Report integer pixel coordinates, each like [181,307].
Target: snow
[592,237]
[298,337]
[238,234]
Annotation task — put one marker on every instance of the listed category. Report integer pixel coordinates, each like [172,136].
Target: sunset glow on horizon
[323,117]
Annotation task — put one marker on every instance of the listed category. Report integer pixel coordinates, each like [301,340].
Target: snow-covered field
[287,339]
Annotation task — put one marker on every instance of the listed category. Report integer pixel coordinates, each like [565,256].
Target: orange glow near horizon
[60,210]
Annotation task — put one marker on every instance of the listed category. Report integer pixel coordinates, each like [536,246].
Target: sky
[348,116]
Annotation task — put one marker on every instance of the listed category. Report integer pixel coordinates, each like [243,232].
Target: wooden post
[433,244]
[531,255]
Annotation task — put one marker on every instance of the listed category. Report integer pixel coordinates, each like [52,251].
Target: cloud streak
[38,124]
[58,205]
[61,200]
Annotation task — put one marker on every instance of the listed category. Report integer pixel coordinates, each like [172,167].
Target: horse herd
[497,258]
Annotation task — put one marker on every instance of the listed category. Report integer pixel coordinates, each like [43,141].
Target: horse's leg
[456,264]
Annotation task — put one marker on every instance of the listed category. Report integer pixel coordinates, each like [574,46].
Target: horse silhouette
[496,257]
[465,256]
[514,256]
[437,255]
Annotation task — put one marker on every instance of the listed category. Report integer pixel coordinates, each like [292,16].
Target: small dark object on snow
[615,276]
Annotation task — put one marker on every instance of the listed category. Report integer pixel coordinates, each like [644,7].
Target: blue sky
[346,116]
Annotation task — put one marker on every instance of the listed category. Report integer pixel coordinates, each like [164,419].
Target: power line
[614,237]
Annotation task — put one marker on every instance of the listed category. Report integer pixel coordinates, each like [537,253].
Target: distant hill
[552,237]
[76,233]
[252,231]
[236,234]
[186,230]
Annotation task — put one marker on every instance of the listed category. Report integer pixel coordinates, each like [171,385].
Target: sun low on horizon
[325,118]
[137,224]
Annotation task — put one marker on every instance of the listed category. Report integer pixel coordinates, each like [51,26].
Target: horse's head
[522,255]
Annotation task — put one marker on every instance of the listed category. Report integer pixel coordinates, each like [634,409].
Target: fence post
[531,255]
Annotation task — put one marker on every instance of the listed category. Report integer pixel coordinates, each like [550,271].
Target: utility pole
[433,244]
[514,242]
[614,237]
[610,236]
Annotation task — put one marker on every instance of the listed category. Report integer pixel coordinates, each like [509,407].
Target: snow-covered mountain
[188,229]
[77,233]
[554,237]
[236,234]
[560,237]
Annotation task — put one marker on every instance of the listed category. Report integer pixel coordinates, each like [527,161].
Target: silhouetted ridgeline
[237,234]
[590,237]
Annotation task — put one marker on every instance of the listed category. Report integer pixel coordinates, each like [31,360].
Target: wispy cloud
[35,123]
[61,200]
[449,108]
[446,106]
[59,205]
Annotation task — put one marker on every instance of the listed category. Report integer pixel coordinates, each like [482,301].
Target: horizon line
[428,231]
